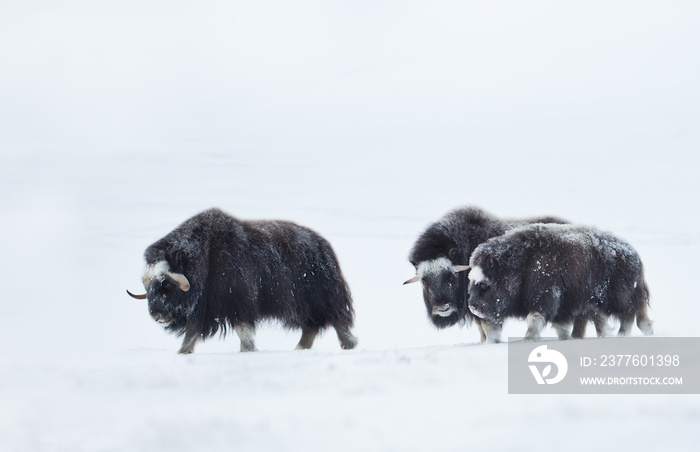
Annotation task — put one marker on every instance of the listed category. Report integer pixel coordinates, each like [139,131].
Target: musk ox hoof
[345,337]
[646,326]
[348,343]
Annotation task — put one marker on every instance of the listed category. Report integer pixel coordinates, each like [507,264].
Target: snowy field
[365,121]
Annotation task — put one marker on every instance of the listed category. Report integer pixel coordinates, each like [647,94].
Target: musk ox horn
[460,268]
[412,280]
[138,297]
[181,280]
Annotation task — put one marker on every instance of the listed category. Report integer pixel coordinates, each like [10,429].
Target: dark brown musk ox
[441,256]
[215,272]
[558,274]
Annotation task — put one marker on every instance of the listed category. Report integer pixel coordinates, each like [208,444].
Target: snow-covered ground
[365,121]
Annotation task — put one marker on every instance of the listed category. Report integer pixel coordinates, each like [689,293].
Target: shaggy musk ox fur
[440,256]
[558,273]
[214,272]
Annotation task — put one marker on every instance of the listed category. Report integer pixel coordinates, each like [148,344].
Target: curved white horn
[412,280]
[181,280]
[460,268]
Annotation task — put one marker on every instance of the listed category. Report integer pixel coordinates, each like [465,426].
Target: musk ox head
[491,294]
[167,295]
[444,290]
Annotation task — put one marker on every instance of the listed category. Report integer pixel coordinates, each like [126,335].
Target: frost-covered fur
[243,272]
[559,273]
[452,239]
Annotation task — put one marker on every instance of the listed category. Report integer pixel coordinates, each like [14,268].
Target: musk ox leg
[562,330]
[535,324]
[643,322]
[492,331]
[188,343]
[580,324]
[308,335]
[482,333]
[347,340]
[246,333]
[626,323]
[602,328]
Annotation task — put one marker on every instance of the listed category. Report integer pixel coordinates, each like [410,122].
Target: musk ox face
[444,290]
[488,300]
[167,295]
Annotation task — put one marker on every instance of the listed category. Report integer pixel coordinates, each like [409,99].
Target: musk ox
[215,272]
[558,273]
[440,256]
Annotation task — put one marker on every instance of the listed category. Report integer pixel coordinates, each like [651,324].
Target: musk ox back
[440,256]
[214,272]
[557,273]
